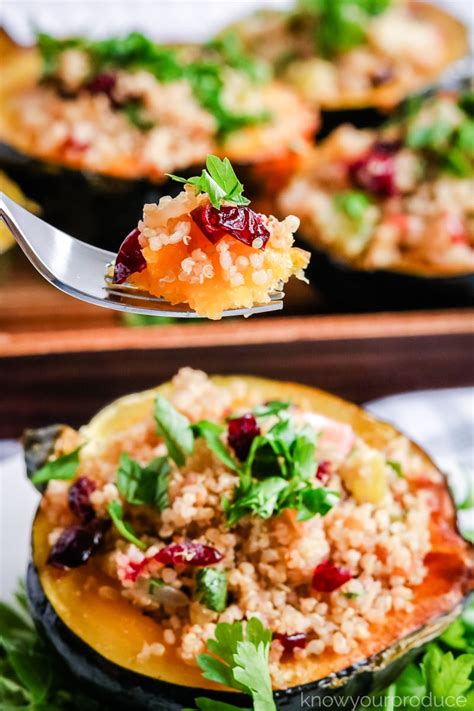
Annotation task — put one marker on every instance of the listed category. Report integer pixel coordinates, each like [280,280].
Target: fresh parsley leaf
[241,661]
[230,50]
[340,25]
[469,535]
[203,704]
[308,502]
[219,181]
[273,407]
[31,665]
[468,501]
[278,475]
[31,676]
[207,79]
[411,683]
[144,485]
[63,468]
[354,204]
[176,430]
[136,114]
[460,634]
[397,468]
[155,584]
[446,675]
[51,48]
[260,499]
[115,510]
[211,588]
[211,432]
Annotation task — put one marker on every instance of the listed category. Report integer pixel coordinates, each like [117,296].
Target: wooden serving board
[61,360]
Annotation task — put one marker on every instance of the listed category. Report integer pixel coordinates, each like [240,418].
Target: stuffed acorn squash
[390,212]
[180,513]
[356,59]
[91,129]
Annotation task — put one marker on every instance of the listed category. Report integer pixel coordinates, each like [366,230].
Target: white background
[166,20]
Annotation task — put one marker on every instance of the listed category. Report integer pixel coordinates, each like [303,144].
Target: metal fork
[83,271]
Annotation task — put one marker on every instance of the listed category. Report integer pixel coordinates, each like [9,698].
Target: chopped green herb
[341,25]
[211,432]
[136,114]
[397,468]
[354,204]
[63,468]
[135,51]
[144,485]
[469,536]
[211,588]
[468,501]
[351,595]
[115,510]
[155,584]
[277,475]
[229,48]
[219,181]
[176,430]
[273,407]
[449,144]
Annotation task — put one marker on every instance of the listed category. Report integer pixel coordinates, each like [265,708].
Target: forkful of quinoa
[207,248]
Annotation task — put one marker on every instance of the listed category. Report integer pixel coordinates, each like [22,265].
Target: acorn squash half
[364,109]
[101,207]
[411,286]
[99,639]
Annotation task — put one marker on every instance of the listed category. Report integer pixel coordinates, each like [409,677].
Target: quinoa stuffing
[208,249]
[399,197]
[130,108]
[218,506]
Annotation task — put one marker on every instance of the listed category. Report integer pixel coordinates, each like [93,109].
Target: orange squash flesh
[117,630]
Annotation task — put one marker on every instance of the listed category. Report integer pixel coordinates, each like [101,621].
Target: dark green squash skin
[38,445]
[125,689]
[349,289]
[95,208]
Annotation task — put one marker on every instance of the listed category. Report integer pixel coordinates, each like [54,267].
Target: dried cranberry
[73,548]
[103,83]
[328,577]
[79,499]
[77,543]
[241,222]
[99,527]
[323,471]
[129,259]
[188,553]
[375,171]
[290,642]
[456,229]
[241,433]
[72,144]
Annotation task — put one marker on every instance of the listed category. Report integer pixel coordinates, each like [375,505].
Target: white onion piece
[169,596]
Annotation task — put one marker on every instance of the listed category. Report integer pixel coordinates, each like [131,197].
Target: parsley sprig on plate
[219,181]
[239,660]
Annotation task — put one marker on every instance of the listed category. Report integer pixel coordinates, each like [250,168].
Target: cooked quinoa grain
[379,543]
